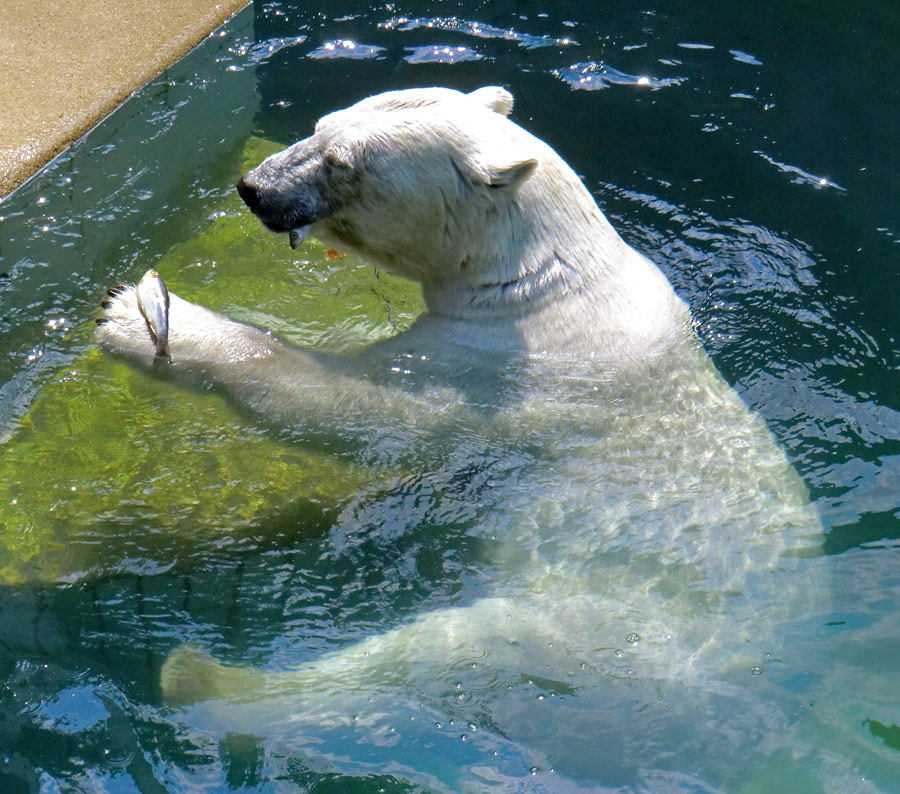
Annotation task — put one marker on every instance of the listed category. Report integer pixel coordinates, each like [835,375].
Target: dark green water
[749,149]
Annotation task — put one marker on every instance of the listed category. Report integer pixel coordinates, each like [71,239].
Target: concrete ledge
[66,64]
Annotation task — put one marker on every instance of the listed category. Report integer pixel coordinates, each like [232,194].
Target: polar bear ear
[509,175]
[495,98]
[503,174]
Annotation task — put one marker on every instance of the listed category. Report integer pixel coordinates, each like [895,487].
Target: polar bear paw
[193,334]
[191,675]
[121,326]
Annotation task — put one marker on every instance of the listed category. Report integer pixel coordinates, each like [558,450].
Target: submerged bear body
[599,485]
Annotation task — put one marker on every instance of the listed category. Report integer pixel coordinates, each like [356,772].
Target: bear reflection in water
[644,543]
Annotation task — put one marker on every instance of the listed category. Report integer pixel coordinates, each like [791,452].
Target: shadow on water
[748,149]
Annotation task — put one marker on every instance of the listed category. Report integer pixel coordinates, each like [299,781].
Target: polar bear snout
[268,206]
[281,208]
[248,192]
[284,191]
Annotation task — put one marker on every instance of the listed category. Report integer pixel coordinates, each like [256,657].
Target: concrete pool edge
[66,66]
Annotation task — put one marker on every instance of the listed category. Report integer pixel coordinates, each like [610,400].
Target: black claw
[105,304]
[101,320]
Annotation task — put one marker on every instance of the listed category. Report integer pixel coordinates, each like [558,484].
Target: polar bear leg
[401,656]
[493,638]
[196,334]
[283,386]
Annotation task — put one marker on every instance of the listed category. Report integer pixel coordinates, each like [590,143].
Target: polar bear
[640,535]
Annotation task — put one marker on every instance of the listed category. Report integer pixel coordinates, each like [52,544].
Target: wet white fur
[652,452]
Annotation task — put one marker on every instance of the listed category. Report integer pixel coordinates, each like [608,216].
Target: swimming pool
[748,150]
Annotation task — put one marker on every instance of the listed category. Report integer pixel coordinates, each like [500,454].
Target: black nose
[248,192]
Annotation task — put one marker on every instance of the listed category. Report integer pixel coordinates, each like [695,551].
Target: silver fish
[296,235]
[153,302]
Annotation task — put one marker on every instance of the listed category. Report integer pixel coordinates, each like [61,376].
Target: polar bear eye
[337,158]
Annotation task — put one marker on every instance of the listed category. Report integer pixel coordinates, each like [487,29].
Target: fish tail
[162,350]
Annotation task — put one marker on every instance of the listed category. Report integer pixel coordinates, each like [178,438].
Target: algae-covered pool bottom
[116,470]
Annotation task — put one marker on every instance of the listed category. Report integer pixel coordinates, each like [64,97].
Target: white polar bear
[632,501]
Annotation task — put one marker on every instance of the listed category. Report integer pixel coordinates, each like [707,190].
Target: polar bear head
[432,184]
